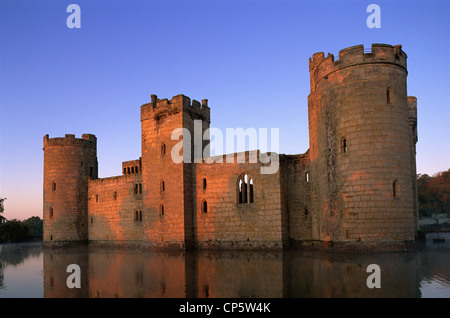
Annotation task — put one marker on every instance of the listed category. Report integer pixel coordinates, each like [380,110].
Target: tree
[2,219]
[1,204]
[36,225]
[15,231]
[434,193]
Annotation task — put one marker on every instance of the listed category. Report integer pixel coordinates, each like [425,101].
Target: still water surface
[28,270]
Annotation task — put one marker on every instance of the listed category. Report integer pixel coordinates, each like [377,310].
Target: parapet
[412,116]
[131,166]
[158,107]
[412,107]
[320,66]
[86,141]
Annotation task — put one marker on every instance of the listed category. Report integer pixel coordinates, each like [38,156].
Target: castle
[355,187]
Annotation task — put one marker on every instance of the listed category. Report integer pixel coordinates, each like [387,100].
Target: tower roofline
[86,140]
[180,102]
[321,66]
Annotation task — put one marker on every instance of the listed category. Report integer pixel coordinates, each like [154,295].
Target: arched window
[54,186]
[163,149]
[161,210]
[50,212]
[245,189]
[204,207]
[115,195]
[162,186]
[204,183]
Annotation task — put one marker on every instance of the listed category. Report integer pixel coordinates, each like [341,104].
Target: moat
[29,270]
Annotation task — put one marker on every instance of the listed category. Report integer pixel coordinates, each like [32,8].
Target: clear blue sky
[249,58]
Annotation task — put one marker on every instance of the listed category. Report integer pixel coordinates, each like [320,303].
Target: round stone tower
[68,164]
[362,163]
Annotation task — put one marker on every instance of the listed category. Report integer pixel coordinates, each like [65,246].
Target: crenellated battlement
[86,140]
[131,166]
[412,107]
[159,107]
[321,66]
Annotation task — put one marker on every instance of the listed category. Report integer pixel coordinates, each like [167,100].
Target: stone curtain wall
[228,223]
[295,181]
[113,203]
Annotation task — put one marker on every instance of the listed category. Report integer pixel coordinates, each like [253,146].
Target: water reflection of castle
[232,274]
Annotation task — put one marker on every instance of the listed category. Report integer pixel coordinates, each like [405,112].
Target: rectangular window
[138,216]
[394,189]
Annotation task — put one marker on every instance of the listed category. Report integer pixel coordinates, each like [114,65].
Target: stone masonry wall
[168,201]
[226,223]
[297,202]
[112,205]
[68,163]
[360,148]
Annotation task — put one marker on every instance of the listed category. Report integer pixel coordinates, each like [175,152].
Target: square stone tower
[168,172]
